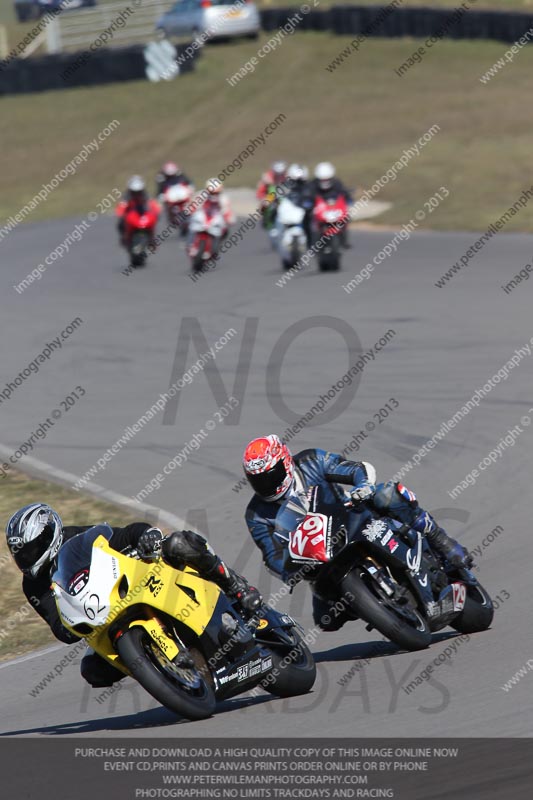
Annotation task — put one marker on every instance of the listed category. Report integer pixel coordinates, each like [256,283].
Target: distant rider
[280,482]
[135,198]
[299,192]
[217,199]
[169,175]
[35,534]
[271,180]
[329,187]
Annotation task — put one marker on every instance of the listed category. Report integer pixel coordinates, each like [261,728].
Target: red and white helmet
[169,169]
[269,467]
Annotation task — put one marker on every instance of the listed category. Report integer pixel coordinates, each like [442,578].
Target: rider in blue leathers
[280,482]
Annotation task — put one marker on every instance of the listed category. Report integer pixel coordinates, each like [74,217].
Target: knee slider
[188,547]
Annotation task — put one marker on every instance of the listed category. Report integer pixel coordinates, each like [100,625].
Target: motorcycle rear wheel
[183,691]
[293,670]
[381,614]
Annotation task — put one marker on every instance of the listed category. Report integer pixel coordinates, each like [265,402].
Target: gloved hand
[149,542]
[250,599]
[248,596]
[363,492]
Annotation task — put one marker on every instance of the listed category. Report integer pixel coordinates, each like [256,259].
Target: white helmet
[296,172]
[324,173]
[279,169]
[34,535]
[214,187]
[136,184]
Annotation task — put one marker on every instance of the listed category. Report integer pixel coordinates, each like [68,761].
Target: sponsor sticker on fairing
[255,667]
[433,609]
[78,582]
[459,596]
[375,530]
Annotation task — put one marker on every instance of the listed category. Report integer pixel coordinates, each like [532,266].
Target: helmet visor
[31,552]
[268,483]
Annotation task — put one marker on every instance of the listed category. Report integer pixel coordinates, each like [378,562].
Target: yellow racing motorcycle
[177,634]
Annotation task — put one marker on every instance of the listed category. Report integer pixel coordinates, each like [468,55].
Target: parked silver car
[210,19]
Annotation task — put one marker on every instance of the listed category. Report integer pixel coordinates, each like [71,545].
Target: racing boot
[236,587]
[449,549]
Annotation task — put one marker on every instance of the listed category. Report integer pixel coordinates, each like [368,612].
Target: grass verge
[20,634]
[361,116]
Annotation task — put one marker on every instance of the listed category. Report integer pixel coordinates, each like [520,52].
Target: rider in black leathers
[170,175]
[35,535]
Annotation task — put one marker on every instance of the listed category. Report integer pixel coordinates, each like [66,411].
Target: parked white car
[211,19]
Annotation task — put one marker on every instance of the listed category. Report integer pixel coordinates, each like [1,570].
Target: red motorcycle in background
[207,227]
[139,230]
[329,216]
[176,199]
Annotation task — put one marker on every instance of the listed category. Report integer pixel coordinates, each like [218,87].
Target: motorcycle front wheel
[293,669]
[477,613]
[403,625]
[182,690]
[198,260]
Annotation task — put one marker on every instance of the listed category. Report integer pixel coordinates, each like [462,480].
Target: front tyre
[403,625]
[293,670]
[477,613]
[182,690]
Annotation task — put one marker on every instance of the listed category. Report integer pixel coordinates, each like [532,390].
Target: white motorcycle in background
[207,227]
[290,237]
[176,198]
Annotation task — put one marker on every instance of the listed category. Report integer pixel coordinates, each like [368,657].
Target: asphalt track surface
[447,343]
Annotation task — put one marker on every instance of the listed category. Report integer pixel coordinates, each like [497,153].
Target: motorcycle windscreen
[74,559]
[310,540]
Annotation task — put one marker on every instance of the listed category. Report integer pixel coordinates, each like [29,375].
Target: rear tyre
[138,253]
[293,670]
[334,256]
[198,260]
[182,690]
[477,613]
[138,259]
[367,602]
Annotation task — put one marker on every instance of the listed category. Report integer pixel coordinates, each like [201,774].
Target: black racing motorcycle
[383,572]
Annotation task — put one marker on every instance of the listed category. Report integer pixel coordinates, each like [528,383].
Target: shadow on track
[371,650]
[152,718]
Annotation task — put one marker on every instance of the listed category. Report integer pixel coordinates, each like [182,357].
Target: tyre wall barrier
[67,70]
[452,23]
